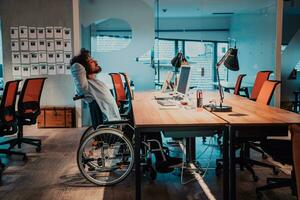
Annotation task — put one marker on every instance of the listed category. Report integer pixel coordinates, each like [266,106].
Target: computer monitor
[183,82]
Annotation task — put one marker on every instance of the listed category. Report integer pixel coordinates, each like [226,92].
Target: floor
[53,174]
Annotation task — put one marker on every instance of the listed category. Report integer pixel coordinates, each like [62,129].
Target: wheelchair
[105,155]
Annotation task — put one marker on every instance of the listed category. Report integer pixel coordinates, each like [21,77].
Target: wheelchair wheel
[86,133]
[105,157]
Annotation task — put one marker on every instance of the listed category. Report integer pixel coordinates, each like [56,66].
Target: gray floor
[53,174]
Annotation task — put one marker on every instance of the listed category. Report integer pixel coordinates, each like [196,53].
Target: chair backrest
[8,102]
[238,84]
[30,96]
[118,87]
[261,77]
[266,92]
[129,92]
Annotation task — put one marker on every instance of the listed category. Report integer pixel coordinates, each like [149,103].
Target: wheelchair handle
[77,97]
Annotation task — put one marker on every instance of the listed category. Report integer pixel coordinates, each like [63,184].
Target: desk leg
[190,149]
[225,164]
[232,175]
[137,142]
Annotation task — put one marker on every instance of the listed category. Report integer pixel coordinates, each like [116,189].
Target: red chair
[238,84]
[28,111]
[261,77]
[8,119]
[129,92]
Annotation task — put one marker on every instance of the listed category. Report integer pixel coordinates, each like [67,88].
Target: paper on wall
[49,32]
[59,45]
[15,57]
[34,57]
[42,57]
[35,70]
[33,46]
[14,32]
[24,45]
[14,45]
[43,69]
[51,57]
[51,69]
[40,32]
[32,32]
[58,32]
[50,45]
[42,45]
[17,78]
[25,58]
[59,57]
[23,32]
[67,57]
[67,45]
[60,67]
[26,70]
[67,68]
[67,34]
[16,71]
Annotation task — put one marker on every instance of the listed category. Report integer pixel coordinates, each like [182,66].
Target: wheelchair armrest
[117,122]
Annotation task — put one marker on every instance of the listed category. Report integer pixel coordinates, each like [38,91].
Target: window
[102,43]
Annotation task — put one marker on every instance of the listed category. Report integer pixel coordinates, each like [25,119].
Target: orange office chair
[8,119]
[261,77]
[238,84]
[28,111]
[120,94]
[129,92]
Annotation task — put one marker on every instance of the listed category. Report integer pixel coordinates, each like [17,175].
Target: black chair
[8,119]
[28,111]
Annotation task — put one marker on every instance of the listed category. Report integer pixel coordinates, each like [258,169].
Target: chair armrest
[117,122]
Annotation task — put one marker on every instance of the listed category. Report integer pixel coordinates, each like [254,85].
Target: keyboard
[166,103]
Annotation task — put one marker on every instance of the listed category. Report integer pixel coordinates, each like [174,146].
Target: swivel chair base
[19,141]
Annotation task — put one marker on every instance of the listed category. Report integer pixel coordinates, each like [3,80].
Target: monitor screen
[182,86]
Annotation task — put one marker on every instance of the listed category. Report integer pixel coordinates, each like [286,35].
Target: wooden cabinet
[56,117]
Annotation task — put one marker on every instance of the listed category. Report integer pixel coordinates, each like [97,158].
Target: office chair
[280,149]
[129,91]
[8,118]
[264,97]
[237,88]
[28,111]
[261,77]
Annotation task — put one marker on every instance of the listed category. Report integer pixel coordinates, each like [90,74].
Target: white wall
[140,16]
[255,35]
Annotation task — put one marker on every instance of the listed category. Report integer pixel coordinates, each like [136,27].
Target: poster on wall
[67,34]
[43,69]
[34,57]
[33,45]
[51,57]
[59,57]
[14,32]
[49,32]
[25,70]
[32,32]
[67,45]
[51,69]
[58,32]
[34,70]
[50,45]
[24,44]
[23,32]
[67,57]
[25,58]
[59,45]
[42,56]
[16,70]
[14,45]
[60,67]
[15,57]
[40,33]
[42,45]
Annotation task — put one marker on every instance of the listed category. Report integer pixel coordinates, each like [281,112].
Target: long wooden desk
[247,119]
[149,116]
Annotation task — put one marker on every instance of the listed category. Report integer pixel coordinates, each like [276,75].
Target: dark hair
[82,59]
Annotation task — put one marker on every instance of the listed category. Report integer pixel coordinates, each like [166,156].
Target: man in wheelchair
[105,155]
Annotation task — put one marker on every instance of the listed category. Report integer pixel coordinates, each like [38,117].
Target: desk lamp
[230,61]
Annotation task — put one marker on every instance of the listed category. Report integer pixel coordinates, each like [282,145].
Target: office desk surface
[148,113]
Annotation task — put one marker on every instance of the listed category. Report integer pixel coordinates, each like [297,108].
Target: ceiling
[202,8]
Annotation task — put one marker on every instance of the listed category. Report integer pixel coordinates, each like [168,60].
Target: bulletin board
[40,50]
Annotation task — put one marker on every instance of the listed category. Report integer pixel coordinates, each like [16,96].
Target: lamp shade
[231,61]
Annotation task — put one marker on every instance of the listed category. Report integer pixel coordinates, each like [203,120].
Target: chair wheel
[264,156]
[255,178]
[38,149]
[275,171]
